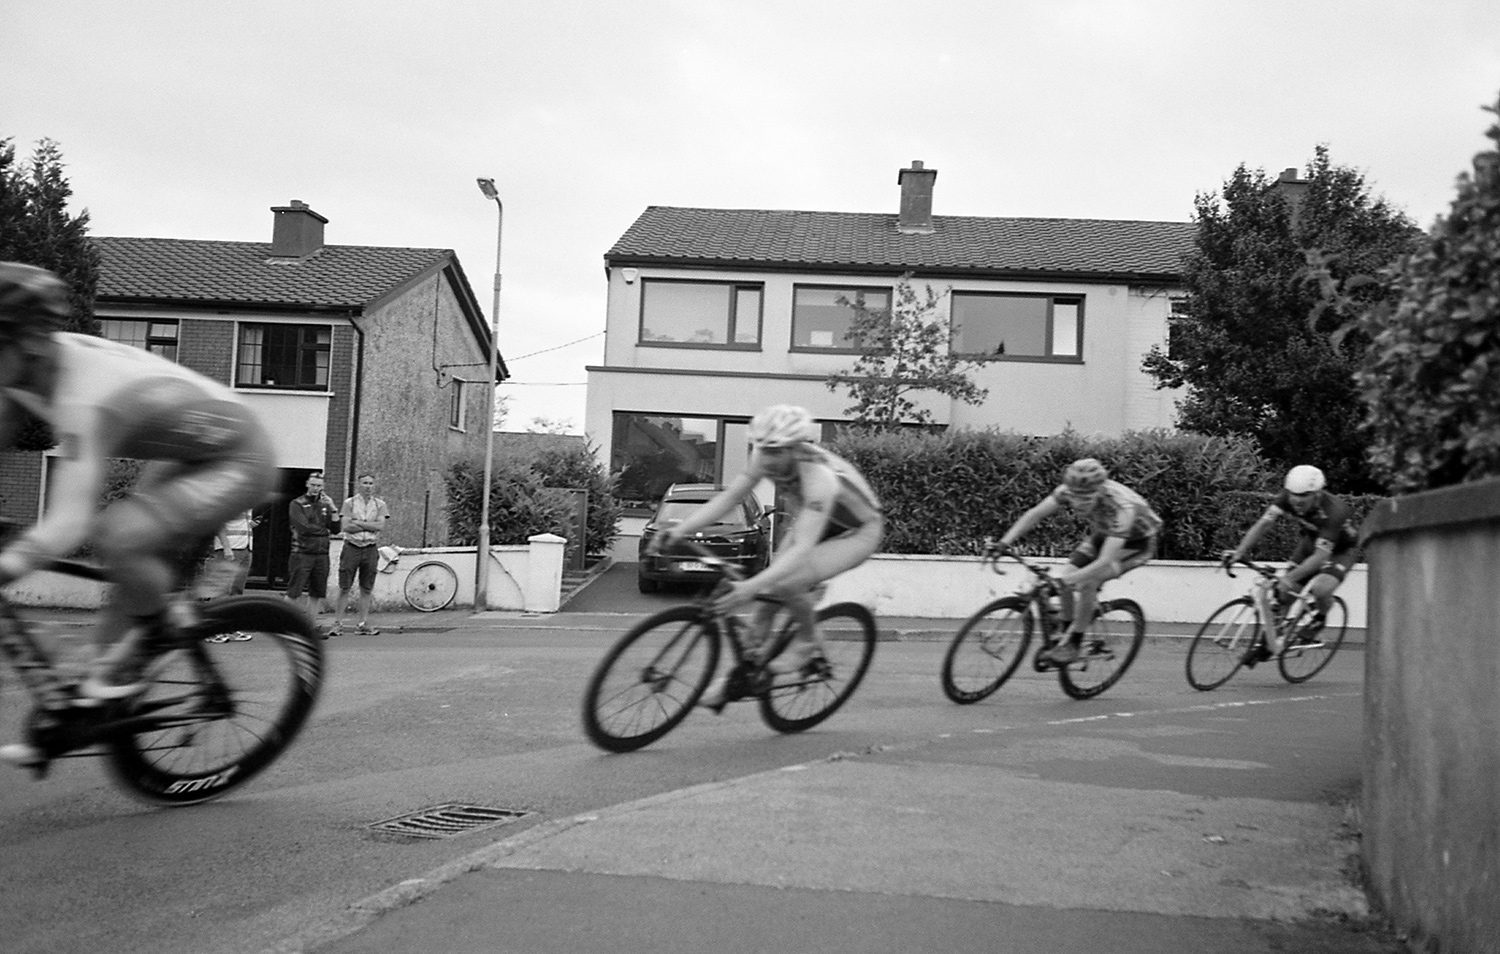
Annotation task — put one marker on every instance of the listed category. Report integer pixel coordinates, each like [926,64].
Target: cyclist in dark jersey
[1328,548]
[208,460]
[1122,536]
[837,525]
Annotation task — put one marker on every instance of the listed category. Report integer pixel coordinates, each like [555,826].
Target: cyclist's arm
[1253,535]
[76,485]
[1030,519]
[1308,568]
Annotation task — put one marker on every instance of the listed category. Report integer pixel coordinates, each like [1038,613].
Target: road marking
[1203,707]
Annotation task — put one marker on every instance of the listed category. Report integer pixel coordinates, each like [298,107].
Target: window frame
[302,350]
[733,322]
[156,344]
[458,406]
[1052,299]
[888,291]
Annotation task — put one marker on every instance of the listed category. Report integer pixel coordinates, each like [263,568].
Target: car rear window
[675,511]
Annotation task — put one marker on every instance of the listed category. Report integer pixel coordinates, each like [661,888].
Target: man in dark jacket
[314,516]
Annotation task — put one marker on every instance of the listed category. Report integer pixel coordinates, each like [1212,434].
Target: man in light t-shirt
[363,517]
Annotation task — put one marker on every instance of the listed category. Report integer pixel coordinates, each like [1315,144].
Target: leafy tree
[520,505]
[1244,347]
[35,228]
[576,465]
[902,349]
[1431,377]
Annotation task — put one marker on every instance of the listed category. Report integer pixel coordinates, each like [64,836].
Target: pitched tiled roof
[665,235]
[338,276]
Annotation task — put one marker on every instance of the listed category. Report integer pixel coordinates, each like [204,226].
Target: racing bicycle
[215,713]
[989,646]
[1239,635]
[654,675]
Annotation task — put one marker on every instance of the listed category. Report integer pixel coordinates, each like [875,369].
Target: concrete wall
[527,578]
[1431,803]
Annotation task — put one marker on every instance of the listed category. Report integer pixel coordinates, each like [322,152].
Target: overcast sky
[191,118]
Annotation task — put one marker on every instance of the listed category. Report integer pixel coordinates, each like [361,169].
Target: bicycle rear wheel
[1109,647]
[1218,650]
[218,713]
[800,700]
[1300,661]
[650,679]
[986,650]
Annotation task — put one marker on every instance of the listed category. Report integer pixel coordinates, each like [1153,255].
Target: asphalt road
[485,713]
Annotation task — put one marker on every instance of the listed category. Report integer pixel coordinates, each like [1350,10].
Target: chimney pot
[916,182]
[297,230]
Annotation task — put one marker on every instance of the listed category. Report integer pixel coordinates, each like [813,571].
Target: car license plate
[692,566]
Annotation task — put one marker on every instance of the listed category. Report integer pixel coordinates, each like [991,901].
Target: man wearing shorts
[362,517]
[314,518]
[208,458]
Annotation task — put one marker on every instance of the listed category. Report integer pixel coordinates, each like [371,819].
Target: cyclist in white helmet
[836,526]
[1123,531]
[1328,548]
[209,459]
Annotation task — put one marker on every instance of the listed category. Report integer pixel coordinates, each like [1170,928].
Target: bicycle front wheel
[1218,650]
[217,713]
[650,679]
[986,650]
[1305,655]
[1109,647]
[800,700]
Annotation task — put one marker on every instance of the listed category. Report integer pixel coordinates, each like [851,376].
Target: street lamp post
[482,545]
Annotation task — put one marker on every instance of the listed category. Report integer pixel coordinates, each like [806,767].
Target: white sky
[191,118]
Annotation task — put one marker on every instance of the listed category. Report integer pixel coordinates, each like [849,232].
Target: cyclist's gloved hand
[1226,559]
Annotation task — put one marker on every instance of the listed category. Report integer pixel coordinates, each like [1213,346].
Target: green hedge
[944,493]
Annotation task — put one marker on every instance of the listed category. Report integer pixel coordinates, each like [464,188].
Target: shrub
[944,493]
[574,465]
[1431,378]
[520,506]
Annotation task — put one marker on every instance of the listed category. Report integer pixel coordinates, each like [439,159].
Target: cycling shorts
[1338,563]
[1135,552]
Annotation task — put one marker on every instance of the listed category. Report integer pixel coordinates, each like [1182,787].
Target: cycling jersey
[854,503]
[1328,519]
[1117,511]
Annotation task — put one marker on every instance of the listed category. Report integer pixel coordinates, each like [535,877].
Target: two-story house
[715,313]
[356,359]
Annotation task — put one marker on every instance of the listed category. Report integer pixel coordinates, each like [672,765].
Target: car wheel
[647,586]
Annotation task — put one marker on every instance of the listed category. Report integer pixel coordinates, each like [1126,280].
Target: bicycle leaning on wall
[1251,629]
[989,646]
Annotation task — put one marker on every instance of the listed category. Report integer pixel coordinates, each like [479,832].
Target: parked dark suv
[742,536]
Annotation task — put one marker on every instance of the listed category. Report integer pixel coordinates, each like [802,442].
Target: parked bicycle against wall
[216,712]
[989,646]
[1251,629]
[654,675]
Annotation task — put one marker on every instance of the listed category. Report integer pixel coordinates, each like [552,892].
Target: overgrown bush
[1431,378]
[521,506]
[943,493]
[527,497]
[571,466]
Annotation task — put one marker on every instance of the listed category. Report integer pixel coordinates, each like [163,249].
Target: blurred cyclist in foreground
[209,460]
[836,526]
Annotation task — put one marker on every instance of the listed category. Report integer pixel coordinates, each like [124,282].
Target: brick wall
[207,347]
[20,485]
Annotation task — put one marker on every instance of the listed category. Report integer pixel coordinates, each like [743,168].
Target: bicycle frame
[730,625]
[1261,590]
[50,689]
[1039,596]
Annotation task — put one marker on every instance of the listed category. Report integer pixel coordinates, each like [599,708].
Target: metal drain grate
[446,821]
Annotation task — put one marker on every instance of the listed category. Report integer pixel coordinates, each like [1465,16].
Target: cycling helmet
[1085,476]
[1304,479]
[782,425]
[32,300]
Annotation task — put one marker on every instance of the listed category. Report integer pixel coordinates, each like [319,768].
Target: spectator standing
[363,517]
[314,516]
[233,543]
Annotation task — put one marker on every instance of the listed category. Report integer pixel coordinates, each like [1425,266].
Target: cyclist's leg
[830,557]
[172,506]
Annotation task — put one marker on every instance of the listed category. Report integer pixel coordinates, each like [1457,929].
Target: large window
[456,405]
[284,356]
[651,453]
[821,314]
[700,314]
[157,337]
[1018,326]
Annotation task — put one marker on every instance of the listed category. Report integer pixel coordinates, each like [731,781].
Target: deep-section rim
[131,755]
[1069,677]
[810,692]
[599,729]
[1017,605]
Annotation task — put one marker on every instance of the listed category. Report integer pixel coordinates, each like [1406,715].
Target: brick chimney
[916,199]
[298,230]
[1292,190]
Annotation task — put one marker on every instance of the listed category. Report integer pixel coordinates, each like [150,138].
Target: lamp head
[487,186]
